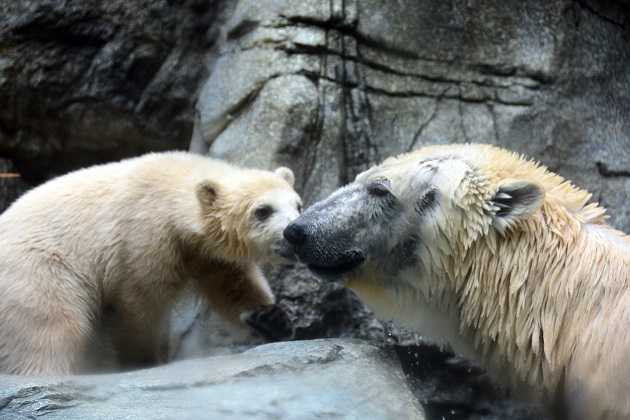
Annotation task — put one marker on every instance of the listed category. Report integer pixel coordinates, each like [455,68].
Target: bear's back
[137,199]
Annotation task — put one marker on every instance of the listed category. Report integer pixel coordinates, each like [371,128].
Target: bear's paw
[271,322]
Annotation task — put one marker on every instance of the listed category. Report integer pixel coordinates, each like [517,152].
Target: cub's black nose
[295,234]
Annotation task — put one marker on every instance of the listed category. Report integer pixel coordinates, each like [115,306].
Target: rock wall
[330,88]
[326,87]
[91,81]
[12,185]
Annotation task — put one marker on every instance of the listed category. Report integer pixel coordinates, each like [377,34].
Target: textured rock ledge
[302,379]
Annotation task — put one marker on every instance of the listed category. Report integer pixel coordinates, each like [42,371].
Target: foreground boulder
[303,379]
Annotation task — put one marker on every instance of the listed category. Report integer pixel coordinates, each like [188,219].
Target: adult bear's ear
[515,200]
[206,192]
[286,174]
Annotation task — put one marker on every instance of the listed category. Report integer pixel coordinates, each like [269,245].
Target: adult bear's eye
[426,202]
[379,188]
[263,212]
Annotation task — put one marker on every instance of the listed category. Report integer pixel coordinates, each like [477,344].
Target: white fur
[515,269]
[111,246]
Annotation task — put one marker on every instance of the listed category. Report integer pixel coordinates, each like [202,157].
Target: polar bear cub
[107,249]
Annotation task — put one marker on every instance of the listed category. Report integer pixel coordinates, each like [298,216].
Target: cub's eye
[379,188]
[299,208]
[263,212]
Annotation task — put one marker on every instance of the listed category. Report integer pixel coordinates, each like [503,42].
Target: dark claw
[271,322]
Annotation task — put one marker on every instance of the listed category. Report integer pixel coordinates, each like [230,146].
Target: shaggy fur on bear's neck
[542,295]
[508,266]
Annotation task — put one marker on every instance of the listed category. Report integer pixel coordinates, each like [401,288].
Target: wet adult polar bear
[495,254]
[104,251]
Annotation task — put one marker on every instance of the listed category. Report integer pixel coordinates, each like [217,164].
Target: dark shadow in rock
[451,387]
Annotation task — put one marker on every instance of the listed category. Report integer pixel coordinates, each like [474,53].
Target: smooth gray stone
[349,379]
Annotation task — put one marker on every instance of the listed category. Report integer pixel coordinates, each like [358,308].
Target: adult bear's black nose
[295,234]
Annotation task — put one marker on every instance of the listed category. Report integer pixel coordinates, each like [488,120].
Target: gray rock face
[91,81]
[331,88]
[311,379]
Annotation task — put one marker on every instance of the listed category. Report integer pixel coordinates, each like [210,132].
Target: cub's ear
[286,174]
[206,192]
[515,200]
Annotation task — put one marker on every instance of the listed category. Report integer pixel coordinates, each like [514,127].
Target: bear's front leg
[139,337]
[241,294]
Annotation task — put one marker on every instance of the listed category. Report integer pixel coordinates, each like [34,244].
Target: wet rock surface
[450,387]
[332,378]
